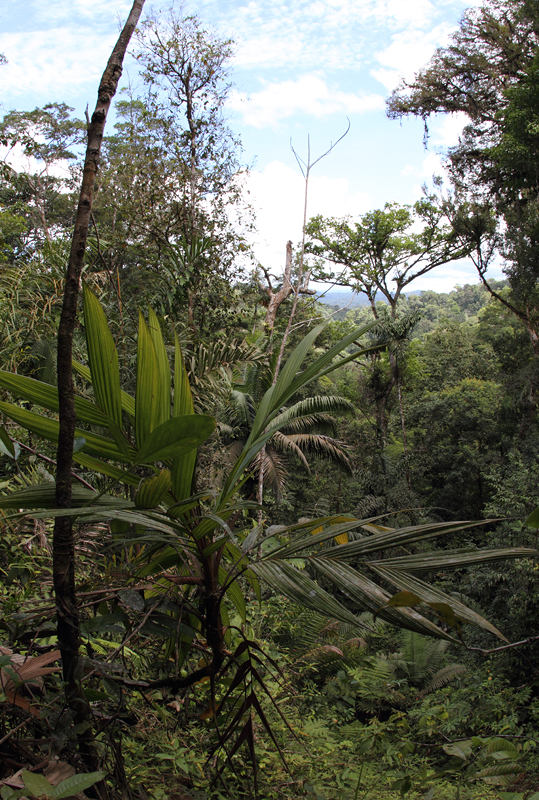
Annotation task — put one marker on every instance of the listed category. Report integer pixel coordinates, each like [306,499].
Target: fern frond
[444,676]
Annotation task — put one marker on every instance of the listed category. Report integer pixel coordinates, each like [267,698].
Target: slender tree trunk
[63,544]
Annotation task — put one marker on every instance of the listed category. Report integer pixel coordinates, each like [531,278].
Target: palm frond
[275,472]
[286,444]
[241,409]
[323,423]
[324,446]
[321,404]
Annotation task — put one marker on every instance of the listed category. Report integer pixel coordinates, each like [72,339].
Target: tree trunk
[63,544]
[275,299]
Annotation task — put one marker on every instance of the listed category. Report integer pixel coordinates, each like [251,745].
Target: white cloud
[338,33]
[309,95]
[412,12]
[447,129]
[408,52]
[101,11]
[432,165]
[445,278]
[53,63]
[277,195]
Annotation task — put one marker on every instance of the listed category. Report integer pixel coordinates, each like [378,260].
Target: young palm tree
[306,426]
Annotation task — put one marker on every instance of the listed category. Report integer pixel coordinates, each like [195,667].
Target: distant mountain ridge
[345,298]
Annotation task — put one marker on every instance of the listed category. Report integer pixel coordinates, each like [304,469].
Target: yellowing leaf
[211,712]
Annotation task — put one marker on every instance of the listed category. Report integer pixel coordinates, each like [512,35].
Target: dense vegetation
[303,540]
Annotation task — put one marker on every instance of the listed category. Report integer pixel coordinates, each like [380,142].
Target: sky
[298,72]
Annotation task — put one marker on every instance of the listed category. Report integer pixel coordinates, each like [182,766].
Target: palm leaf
[297,586]
[128,402]
[46,396]
[323,446]
[48,429]
[174,437]
[148,401]
[387,538]
[286,444]
[43,495]
[183,467]
[163,367]
[444,676]
[454,559]
[103,358]
[371,597]
[430,594]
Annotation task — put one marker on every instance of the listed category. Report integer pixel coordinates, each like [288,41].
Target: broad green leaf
[43,495]
[76,784]
[462,750]
[46,396]
[48,429]
[103,358]
[174,437]
[132,599]
[403,599]
[6,793]
[233,592]
[37,784]
[447,613]
[165,559]
[499,773]
[183,470]
[148,402]
[183,398]
[163,366]
[128,402]
[533,519]
[105,468]
[499,745]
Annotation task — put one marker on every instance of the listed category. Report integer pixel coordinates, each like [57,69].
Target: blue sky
[299,70]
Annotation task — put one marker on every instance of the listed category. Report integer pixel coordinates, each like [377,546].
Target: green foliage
[38,786]
[383,248]
[200,567]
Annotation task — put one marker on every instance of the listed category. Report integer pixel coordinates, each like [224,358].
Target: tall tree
[489,73]
[45,142]
[171,183]
[384,247]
